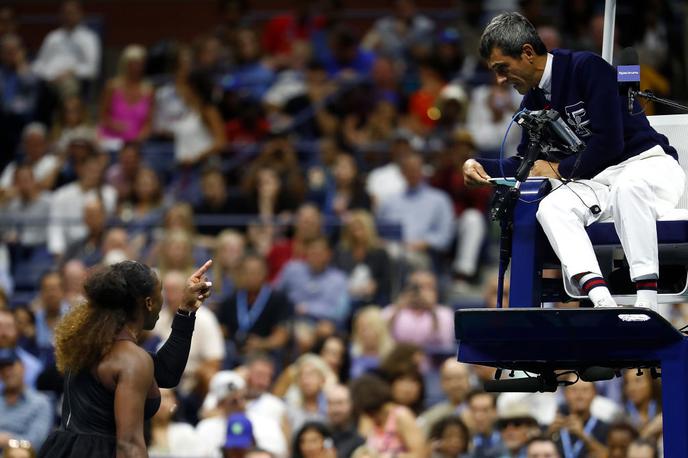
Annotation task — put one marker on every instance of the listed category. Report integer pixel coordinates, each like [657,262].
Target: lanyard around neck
[247,318]
[572,451]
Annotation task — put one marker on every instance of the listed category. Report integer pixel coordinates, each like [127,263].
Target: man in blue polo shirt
[627,171]
[24,413]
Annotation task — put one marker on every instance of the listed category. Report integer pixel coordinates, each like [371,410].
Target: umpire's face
[521,72]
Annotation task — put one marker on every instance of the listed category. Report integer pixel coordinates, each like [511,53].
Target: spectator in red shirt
[470,205]
[307,226]
[283,30]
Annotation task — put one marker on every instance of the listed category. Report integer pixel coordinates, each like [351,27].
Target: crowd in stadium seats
[320,168]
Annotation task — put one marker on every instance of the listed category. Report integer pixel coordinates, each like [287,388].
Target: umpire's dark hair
[509,32]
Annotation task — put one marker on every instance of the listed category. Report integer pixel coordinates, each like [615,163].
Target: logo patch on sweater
[578,118]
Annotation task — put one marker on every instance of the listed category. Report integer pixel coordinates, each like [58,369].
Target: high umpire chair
[545,342]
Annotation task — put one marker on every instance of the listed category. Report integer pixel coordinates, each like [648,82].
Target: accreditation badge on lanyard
[247,318]
[573,450]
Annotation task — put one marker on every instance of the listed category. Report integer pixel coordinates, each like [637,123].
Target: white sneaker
[605,302]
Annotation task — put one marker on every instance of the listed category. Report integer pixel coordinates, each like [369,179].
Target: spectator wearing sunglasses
[517,426]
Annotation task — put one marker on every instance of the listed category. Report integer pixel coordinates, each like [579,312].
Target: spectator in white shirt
[489,115]
[35,154]
[227,396]
[70,53]
[260,371]
[207,345]
[24,217]
[66,212]
[387,181]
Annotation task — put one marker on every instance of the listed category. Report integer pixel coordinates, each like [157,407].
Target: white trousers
[634,194]
[471,229]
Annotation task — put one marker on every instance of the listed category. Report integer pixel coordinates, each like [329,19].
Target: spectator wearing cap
[9,334]
[239,436]
[227,396]
[24,413]
[470,205]
[578,431]
[517,426]
[455,383]
[451,103]
[424,213]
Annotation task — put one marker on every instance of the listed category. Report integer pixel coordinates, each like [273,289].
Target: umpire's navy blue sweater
[585,93]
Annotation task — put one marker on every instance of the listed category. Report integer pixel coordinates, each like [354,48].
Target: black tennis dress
[88,427]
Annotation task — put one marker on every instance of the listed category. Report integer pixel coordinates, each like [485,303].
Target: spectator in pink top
[126,109]
[416,317]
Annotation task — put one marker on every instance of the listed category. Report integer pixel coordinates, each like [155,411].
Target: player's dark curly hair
[114,296]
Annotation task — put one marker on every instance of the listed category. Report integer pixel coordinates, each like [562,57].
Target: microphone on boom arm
[628,75]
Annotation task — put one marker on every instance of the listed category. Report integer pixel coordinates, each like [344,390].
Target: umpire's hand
[474,174]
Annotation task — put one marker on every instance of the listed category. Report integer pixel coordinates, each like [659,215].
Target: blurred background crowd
[313,150]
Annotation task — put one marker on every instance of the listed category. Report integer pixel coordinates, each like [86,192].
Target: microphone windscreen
[519,385]
[596,374]
[628,56]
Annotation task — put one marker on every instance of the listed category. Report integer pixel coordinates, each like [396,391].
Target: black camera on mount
[553,138]
[549,138]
